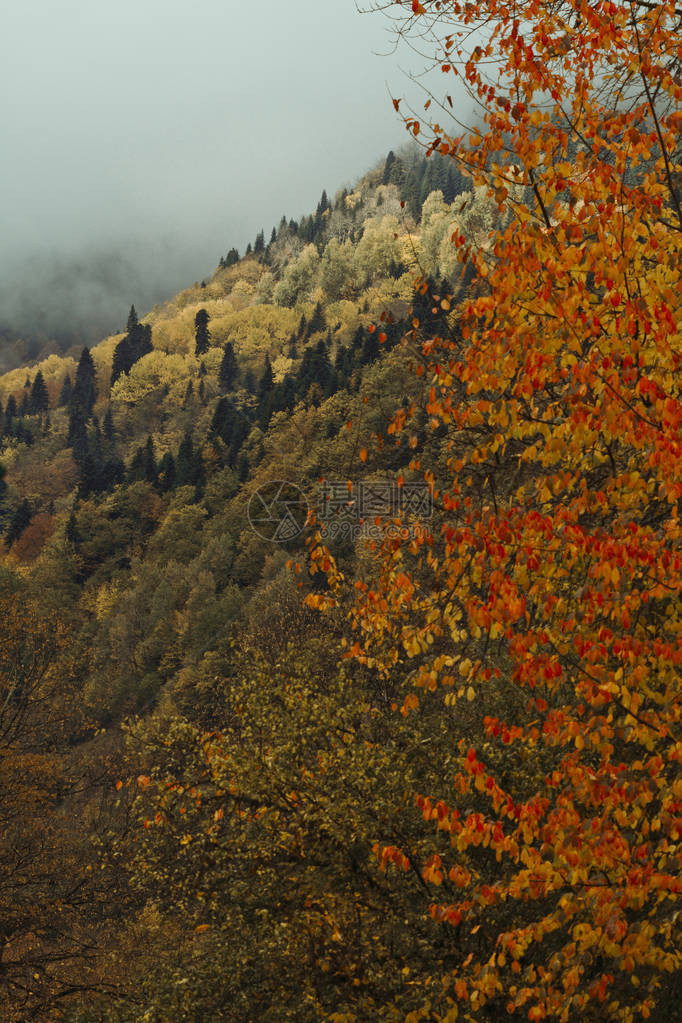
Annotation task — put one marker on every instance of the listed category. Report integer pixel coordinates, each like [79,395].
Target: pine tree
[150,469]
[201,332]
[136,344]
[39,396]
[18,523]
[388,166]
[77,438]
[317,320]
[10,414]
[223,421]
[227,375]
[167,475]
[72,533]
[65,393]
[136,469]
[108,425]
[186,468]
[84,390]
[267,380]
[259,244]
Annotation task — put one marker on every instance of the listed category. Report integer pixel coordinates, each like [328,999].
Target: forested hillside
[144,602]
[341,594]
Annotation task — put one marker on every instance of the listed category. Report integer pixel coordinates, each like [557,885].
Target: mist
[144,139]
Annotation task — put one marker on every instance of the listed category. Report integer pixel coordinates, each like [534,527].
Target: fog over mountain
[144,141]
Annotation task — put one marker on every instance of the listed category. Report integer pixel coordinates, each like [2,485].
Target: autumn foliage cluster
[554,567]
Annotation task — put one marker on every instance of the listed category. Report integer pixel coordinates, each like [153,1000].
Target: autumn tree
[552,568]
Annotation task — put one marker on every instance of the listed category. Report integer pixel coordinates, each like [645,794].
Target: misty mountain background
[54,301]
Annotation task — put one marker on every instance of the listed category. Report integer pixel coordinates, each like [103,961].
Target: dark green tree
[18,523]
[10,414]
[317,320]
[186,463]
[84,390]
[108,425]
[266,382]
[136,343]
[167,475]
[202,336]
[39,397]
[388,166]
[227,374]
[136,470]
[65,393]
[150,467]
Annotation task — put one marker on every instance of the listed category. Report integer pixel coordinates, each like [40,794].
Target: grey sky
[166,132]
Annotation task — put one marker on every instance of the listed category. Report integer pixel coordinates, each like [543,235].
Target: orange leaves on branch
[551,582]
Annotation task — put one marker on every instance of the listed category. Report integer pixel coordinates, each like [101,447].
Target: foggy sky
[147,137]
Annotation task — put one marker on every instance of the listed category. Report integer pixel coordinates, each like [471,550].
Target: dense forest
[341,646]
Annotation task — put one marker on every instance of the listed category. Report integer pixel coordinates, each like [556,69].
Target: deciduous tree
[554,563]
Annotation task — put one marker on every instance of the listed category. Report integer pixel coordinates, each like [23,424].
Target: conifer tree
[108,425]
[186,463]
[65,393]
[18,523]
[84,390]
[150,468]
[39,397]
[167,475]
[136,469]
[390,160]
[201,332]
[227,374]
[10,414]
[267,380]
[136,343]
[317,320]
